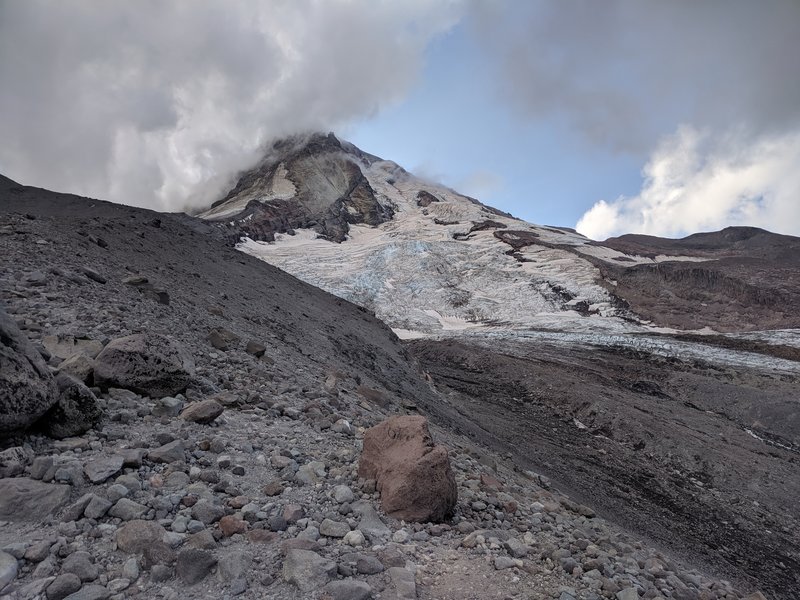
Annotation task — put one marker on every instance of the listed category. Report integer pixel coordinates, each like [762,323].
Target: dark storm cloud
[158,103]
[624,72]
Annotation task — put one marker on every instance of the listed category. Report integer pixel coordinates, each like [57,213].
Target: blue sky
[454,128]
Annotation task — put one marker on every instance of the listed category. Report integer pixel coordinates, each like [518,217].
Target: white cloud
[699,182]
[158,104]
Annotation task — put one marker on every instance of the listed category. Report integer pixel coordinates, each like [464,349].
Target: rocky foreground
[204,427]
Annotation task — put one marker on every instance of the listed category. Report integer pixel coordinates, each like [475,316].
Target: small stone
[230,525]
[135,536]
[207,512]
[628,594]
[79,564]
[348,589]
[354,538]
[505,562]
[90,592]
[292,513]
[368,565]
[202,412]
[400,536]
[336,529]
[234,565]
[171,452]
[63,586]
[342,493]
[255,348]
[118,585]
[97,507]
[343,426]
[168,407]
[130,569]
[307,570]
[405,586]
[127,510]
[273,488]
[40,467]
[194,564]
[160,573]
[38,552]
[203,540]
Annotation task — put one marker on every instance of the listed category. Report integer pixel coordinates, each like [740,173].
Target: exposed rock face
[149,364]
[75,412]
[412,473]
[27,389]
[748,280]
[302,183]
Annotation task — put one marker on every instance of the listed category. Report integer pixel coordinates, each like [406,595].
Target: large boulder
[23,499]
[146,363]
[413,474]
[76,411]
[27,389]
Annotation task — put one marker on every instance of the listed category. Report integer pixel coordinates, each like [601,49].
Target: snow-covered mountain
[427,259]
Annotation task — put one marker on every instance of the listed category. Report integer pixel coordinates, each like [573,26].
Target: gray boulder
[23,499]
[150,364]
[307,570]
[27,389]
[76,411]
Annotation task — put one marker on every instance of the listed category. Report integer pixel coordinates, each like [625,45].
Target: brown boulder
[413,474]
[202,412]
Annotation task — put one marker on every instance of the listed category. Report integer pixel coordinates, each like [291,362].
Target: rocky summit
[181,419]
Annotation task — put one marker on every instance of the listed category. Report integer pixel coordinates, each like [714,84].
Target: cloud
[626,72]
[698,182]
[480,184]
[158,104]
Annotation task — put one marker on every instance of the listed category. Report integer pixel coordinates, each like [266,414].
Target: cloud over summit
[157,104]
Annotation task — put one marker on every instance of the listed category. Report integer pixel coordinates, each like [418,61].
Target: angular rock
[412,473]
[147,363]
[207,512]
[75,412]
[168,407]
[27,389]
[127,510]
[348,589]
[8,569]
[194,564]
[234,565]
[14,460]
[202,412]
[370,523]
[404,584]
[75,510]
[230,525]
[78,366]
[135,536]
[222,339]
[100,469]
[63,586]
[90,592]
[307,570]
[255,348]
[97,507]
[79,563]
[334,529]
[172,452]
[23,499]
[65,346]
